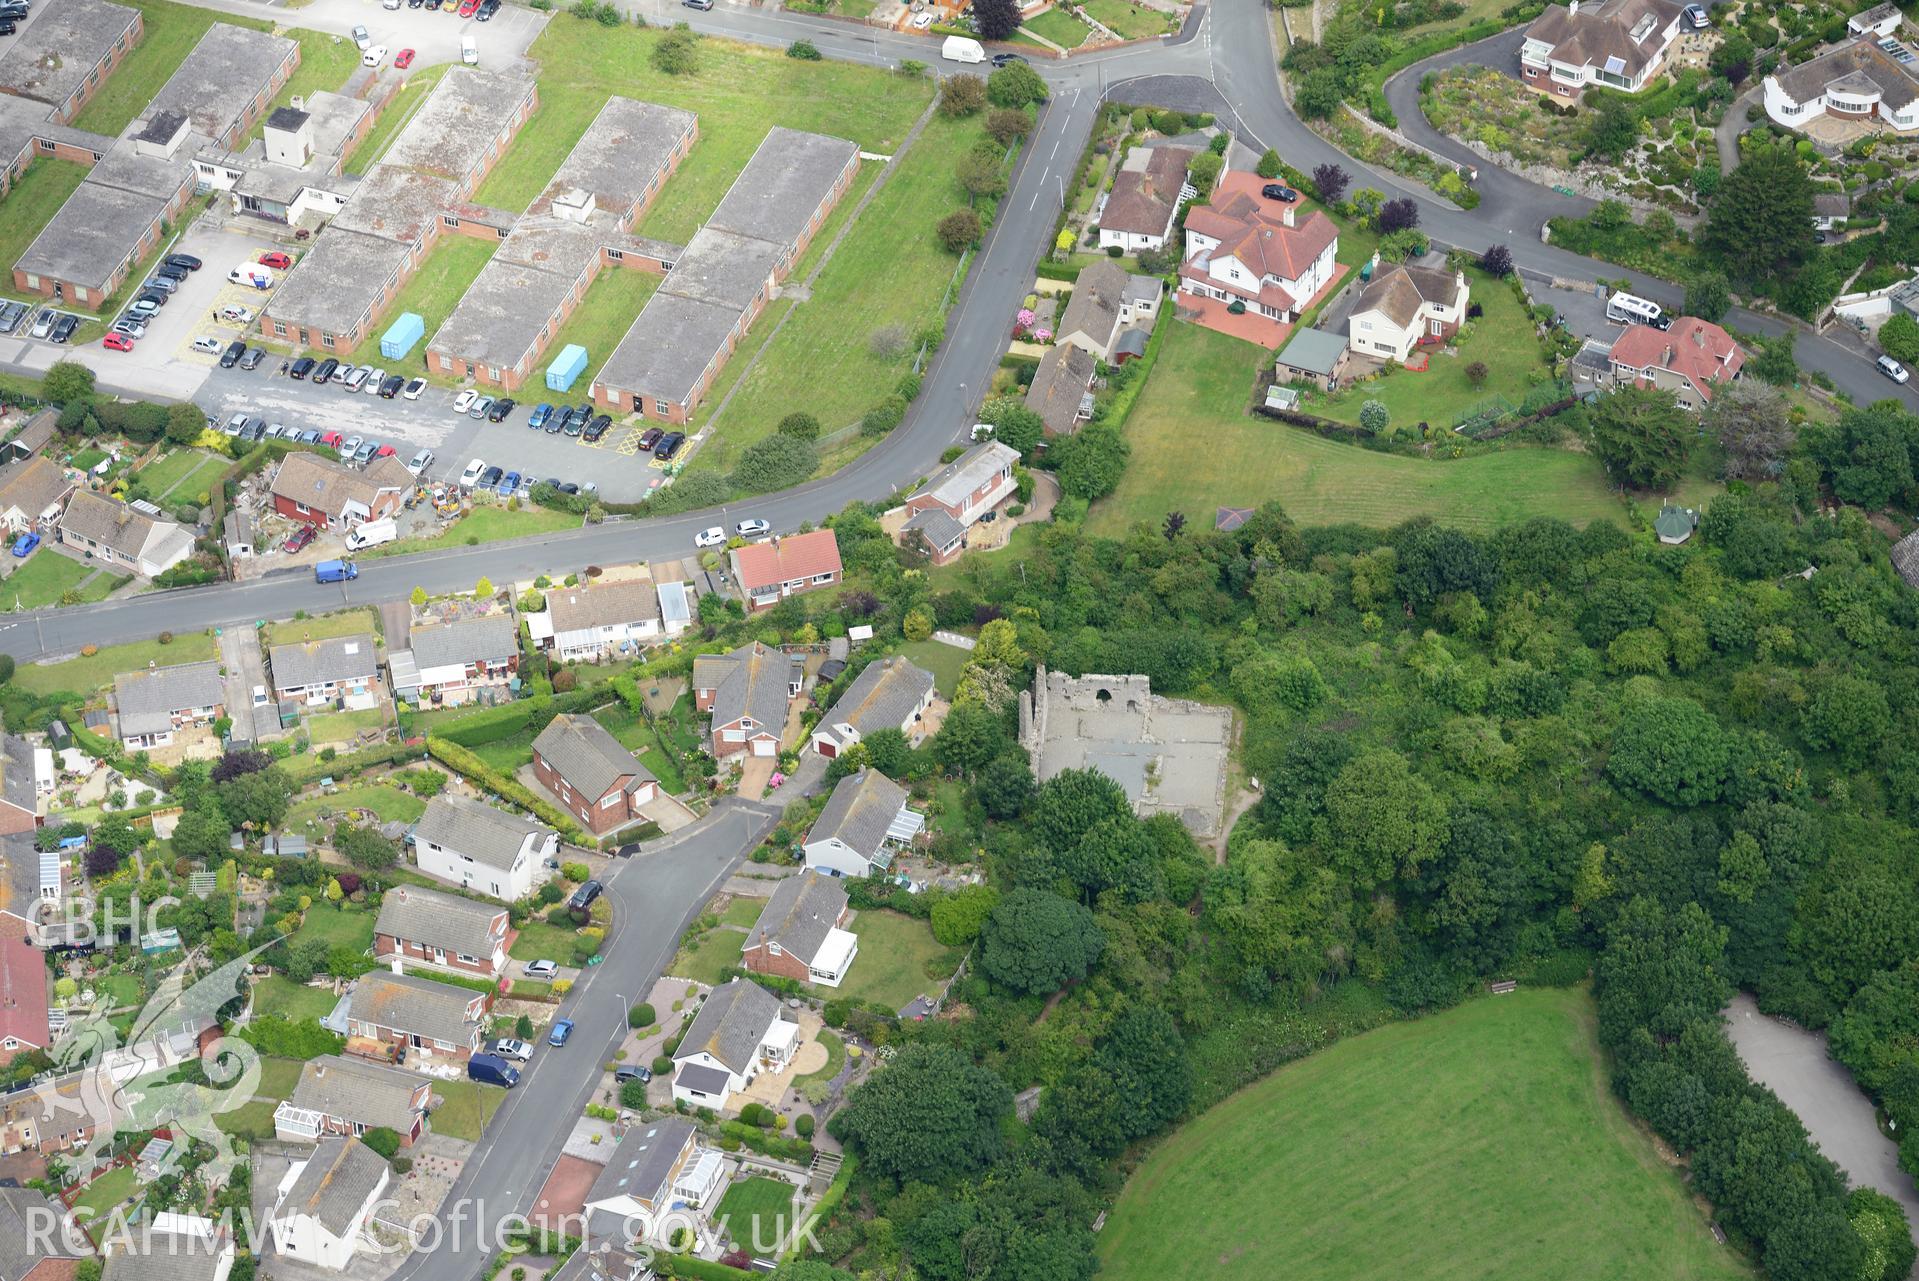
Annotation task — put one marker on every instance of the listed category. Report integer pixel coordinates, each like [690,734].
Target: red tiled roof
[23,993]
[785,559]
[1696,350]
[1253,229]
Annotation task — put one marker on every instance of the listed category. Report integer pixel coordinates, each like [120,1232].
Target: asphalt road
[655,895]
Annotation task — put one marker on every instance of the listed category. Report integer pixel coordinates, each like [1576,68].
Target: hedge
[828,1203]
[461,761]
[685,1265]
[306,768]
[766,1143]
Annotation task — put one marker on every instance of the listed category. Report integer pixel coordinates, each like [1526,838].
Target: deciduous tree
[1641,435]
[1038,942]
[929,1116]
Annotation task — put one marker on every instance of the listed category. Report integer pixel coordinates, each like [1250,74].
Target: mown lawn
[343,727]
[739,92]
[894,956]
[612,302]
[835,1057]
[252,1120]
[541,941]
[391,804]
[394,119]
[105,1192]
[1063,29]
[1481,1143]
[944,661]
[1129,21]
[712,952]
[345,622]
[277,1078]
[31,204]
[337,927]
[485,524]
[1196,448]
[434,290]
[743,912]
[757,1212]
[468,1107]
[278,994]
[182,475]
[638,737]
[171,31]
[42,580]
[85,673]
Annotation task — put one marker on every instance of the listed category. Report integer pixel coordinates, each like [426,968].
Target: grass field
[35,197]
[277,1078]
[252,1120]
[468,1107]
[83,674]
[757,1212]
[540,940]
[1482,1143]
[345,622]
[336,927]
[484,524]
[43,580]
[277,994]
[171,31]
[105,1192]
[1063,29]
[1129,21]
[944,661]
[1198,394]
[743,912]
[434,290]
[393,119]
[604,315]
[739,91]
[895,952]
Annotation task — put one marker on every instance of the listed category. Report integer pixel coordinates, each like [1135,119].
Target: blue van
[493,1070]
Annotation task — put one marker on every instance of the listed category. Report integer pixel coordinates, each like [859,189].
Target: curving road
[1225,53]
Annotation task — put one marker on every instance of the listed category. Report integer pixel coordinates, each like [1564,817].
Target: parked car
[469,7]
[509,485]
[1004,59]
[43,323]
[566,487]
[752,527]
[350,444]
[1279,191]
[632,1072]
[301,367]
[373,57]
[390,386]
[117,342]
[277,259]
[331,439]
[364,454]
[384,451]
[404,59]
[464,401]
[131,328]
[299,538]
[236,315]
[650,437]
[11,314]
[712,536]
[335,571]
[598,428]
[584,896]
[414,388]
[231,356]
[490,478]
[276,430]
[160,284]
[472,473]
[1694,16]
[357,379]
[63,328]
[493,1070]
[420,462]
[361,38]
[170,272]
[508,1048]
[561,1031]
[540,969]
[253,358]
[236,424]
[184,260]
[669,445]
[1893,369]
[541,413]
[142,308]
[375,377]
[326,370]
[576,420]
[211,346]
[479,407]
[24,548]
[500,409]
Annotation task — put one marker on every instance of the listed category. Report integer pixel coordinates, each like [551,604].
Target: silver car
[364,454]
[480,407]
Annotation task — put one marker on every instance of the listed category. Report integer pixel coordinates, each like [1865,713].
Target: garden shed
[399,338]
[567,366]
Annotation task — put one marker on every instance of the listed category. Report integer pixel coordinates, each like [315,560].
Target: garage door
[763,747]
[827,747]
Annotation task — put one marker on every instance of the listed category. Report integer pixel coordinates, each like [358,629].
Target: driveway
[246,672]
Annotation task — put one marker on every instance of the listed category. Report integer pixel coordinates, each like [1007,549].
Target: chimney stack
[1698,336]
[1286,214]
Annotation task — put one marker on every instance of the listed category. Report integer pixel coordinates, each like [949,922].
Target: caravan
[1628,309]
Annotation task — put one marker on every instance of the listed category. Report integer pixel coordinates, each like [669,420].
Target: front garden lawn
[895,956]
[540,940]
[1194,410]
[1062,28]
[278,994]
[743,912]
[712,952]
[350,927]
[1480,1143]
[345,622]
[43,579]
[1130,21]
[486,523]
[85,673]
[467,1108]
[757,1213]
[277,1078]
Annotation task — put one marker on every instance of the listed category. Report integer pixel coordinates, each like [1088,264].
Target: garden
[898,960]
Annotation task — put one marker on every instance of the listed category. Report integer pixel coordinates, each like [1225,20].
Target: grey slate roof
[642,1163]
[862,807]
[470,640]
[941,530]
[54,56]
[19,1210]
[882,696]
[162,1256]
[783,185]
[410,1003]
[479,831]
[1059,385]
[586,755]
[954,483]
[628,145]
[800,914]
[732,1024]
[1094,308]
[147,700]
[753,681]
[339,1178]
[318,662]
[32,485]
[358,1090]
[117,525]
[221,77]
[458,925]
[701,1079]
[1314,350]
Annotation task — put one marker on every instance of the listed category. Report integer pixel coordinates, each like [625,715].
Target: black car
[414,4]
[597,428]
[8,26]
[168,271]
[500,409]
[1003,59]
[670,444]
[650,437]
[253,357]
[63,328]
[157,297]
[231,356]
[584,896]
[325,371]
[301,367]
[186,261]
[491,477]
[391,386]
[566,487]
[487,9]
[1279,191]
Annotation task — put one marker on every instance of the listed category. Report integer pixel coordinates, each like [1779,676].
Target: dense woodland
[1542,753]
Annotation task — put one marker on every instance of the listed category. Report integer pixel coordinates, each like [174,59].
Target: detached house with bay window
[1261,255]
[798,935]
[1617,44]
[741,1031]
[1407,307]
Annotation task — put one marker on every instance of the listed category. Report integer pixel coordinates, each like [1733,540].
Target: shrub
[959,230]
[662,1066]
[633,1094]
[804,50]
[383,1140]
[640,1015]
[1374,417]
[677,53]
[1475,374]
[575,871]
[775,462]
[962,96]
[799,423]
[803,1125]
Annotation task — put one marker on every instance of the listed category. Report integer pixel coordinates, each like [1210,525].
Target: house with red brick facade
[328,495]
[746,693]
[445,930]
[954,498]
[410,1017]
[889,693]
[798,935]
[771,571]
[342,1095]
[599,782]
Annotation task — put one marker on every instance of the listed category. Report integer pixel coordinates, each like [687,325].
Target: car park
[508,1048]
[231,356]
[753,527]
[561,1031]
[713,536]
[404,59]
[597,428]
[11,314]
[464,401]
[650,437]
[253,357]
[184,260]
[43,324]
[472,473]
[479,407]
[500,409]
[490,478]
[63,328]
[301,367]
[541,413]
[117,342]
[390,386]
[420,462]
[211,346]
[414,388]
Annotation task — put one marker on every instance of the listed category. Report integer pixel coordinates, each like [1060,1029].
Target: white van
[371,534]
[961,49]
[469,51]
[251,274]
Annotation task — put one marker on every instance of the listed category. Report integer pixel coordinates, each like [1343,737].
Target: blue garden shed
[566,367]
[398,340]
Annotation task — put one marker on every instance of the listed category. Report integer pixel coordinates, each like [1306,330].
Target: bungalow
[320,492]
[322,673]
[26,778]
[1139,211]
[31,493]
[661,1176]
[1615,44]
[180,1247]
[349,1096]
[324,1204]
[452,663]
[389,1014]
[1689,360]
[798,935]
[38,1242]
[746,694]
[1240,253]
[601,783]
[153,704]
[890,693]
[24,997]
[466,843]
[597,620]
[1091,321]
[131,535]
[865,819]
[739,1032]
[442,929]
[943,509]
[771,571]
[1406,307]
[1060,393]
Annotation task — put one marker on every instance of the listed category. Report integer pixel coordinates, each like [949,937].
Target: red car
[276,259]
[117,342]
[404,60]
[469,7]
[298,539]
[384,451]
[332,439]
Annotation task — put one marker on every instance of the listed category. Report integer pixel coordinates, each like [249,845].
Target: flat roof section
[216,83]
[498,319]
[337,282]
[722,268]
[395,204]
[668,348]
[91,235]
[127,168]
[783,186]
[458,123]
[54,55]
[628,145]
